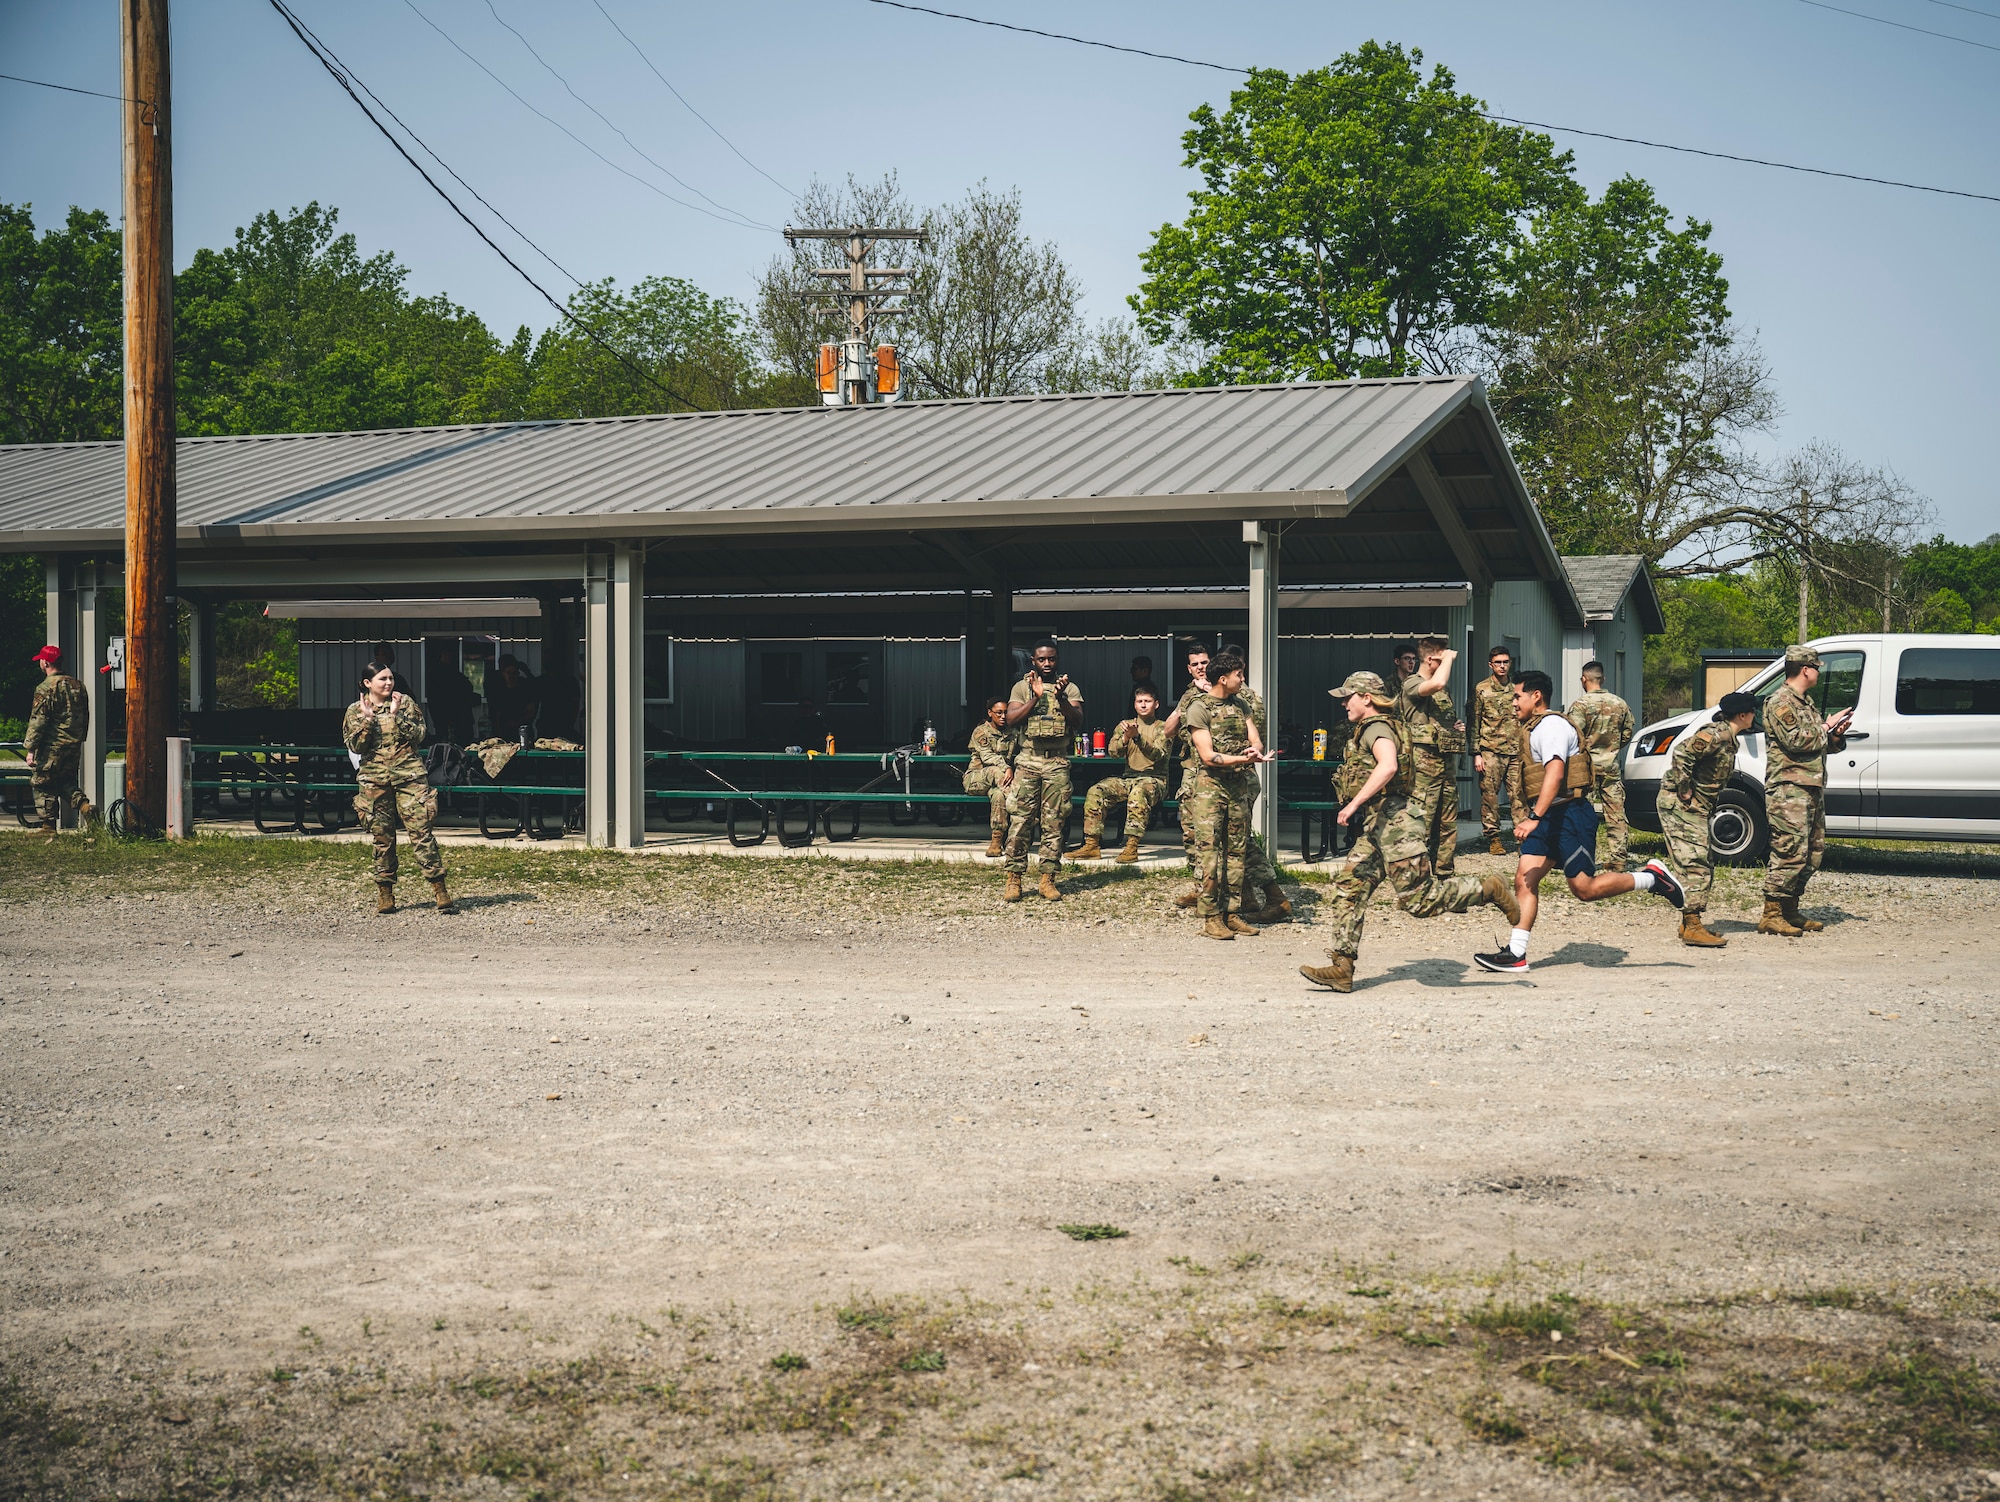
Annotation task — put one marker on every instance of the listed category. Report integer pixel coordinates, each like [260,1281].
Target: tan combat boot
[1089,850]
[444,902]
[1237,925]
[1013,892]
[998,844]
[385,897]
[1500,892]
[1798,919]
[1048,888]
[1215,928]
[1494,847]
[1188,898]
[49,832]
[1693,934]
[1130,853]
[1276,908]
[1774,921]
[1338,975]
[85,810]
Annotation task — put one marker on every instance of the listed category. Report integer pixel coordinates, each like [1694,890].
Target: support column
[201,657]
[599,751]
[1262,538]
[1002,676]
[628,626]
[79,629]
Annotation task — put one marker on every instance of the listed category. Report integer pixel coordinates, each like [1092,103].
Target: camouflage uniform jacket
[994,749]
[1428,717]
[1227,722]
[59,716]
[1604,721]
[1495,730]
[1045,730]
[386,740]
[1702,766]
[1144,745]
[1796,741]
[1189,761]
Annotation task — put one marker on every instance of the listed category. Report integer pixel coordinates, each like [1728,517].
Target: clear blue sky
[1879,309]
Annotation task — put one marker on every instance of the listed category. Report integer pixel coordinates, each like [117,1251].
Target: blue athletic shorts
[1568,837]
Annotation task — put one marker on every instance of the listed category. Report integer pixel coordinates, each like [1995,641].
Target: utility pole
[850,372]
[151,659]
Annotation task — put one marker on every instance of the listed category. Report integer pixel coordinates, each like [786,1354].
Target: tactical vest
[1045,721]
[1579,776]
[1358,765]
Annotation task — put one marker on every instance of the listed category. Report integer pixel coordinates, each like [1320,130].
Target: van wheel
[1738,832]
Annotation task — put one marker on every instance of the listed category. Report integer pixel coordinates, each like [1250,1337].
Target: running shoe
[1502,962]
[1664,884]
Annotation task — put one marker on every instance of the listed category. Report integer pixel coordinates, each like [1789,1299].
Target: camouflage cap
[1802,657]
[1363,683]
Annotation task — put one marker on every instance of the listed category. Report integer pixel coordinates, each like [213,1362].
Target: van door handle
[1854,735]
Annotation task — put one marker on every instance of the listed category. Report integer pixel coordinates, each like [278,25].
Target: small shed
[1620,610]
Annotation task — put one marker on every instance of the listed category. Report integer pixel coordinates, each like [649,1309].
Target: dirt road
[693,1182]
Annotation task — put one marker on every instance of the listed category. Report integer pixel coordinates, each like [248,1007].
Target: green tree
[676,349]
[61,328]
[1352,221]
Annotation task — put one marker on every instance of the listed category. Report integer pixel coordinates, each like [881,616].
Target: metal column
[201,657]
[599,750]
[1263,644]
[76,624]
[628,625]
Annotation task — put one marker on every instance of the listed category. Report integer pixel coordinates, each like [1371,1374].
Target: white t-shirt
[1553,739]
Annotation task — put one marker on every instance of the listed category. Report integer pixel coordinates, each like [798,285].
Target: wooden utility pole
[151,656]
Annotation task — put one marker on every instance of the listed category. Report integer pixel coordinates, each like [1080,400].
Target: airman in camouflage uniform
[1699,770]
[58,720]
[1390,831]
[1435,737]
[1496,734]
[1218,798]
[1046,707]
[991,769]
[1797,739]
[1604,722]
[386,735]
[1259,870]
[1144,743]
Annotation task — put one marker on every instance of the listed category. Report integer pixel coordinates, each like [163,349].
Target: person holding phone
[1227,749]
[1797,740]
[383,732]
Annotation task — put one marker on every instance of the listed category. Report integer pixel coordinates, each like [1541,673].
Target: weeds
[1093,1232]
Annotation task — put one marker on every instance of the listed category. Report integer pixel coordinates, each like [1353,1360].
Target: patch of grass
[923,1361]
[1416,1337]
[1371,1292]
[1944,1407]
[1242,1262]
[283,1374]
[1543,1317]
[875,1319]
[1492,1421]
[1829,1298]
[789,1361]
[1093,1232]
[1189,1266]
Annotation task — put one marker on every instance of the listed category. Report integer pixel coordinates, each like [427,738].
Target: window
[847,675]
[1839,685]
[781,677]
[1948,680]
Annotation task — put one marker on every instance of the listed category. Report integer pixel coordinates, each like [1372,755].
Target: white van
[1922,759]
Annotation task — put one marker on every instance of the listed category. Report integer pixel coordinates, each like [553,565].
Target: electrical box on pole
[854,370]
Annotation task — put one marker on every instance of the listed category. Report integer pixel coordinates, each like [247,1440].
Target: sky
[1877,307]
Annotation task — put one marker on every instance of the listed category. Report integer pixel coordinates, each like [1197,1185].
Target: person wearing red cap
[58,720]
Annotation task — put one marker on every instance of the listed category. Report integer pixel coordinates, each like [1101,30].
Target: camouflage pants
[1040,795]
[1609,795]
[1437,784]
[414,806]
[53,782]
[1140,795]
[1502,770]
[1798,837]
[980,779]
[1686,831]
[1218,810]
[1389,846]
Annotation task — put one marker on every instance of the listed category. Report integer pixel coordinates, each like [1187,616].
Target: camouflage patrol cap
[1363,683]
[1801,657]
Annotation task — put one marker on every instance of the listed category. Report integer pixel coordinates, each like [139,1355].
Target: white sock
[1518,944]
[1642,881]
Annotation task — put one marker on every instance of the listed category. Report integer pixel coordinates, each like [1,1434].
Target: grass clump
[789,1361]
[1944,1407]
[1555,1315]
[1093,1232]
[923,1361]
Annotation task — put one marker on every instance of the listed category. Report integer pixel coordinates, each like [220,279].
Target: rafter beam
[1444,511]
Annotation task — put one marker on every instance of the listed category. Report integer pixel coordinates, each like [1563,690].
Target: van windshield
[1839,685]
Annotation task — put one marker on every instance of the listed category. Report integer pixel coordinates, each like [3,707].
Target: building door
[801,691]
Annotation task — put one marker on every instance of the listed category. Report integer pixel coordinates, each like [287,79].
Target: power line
[342,75]
[67,89]
[1970,10]
[1902,25]
[1570,130]
[650,187]
[688,107]
[660,166]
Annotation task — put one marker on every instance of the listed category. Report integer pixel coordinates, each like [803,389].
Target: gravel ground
[729,1179]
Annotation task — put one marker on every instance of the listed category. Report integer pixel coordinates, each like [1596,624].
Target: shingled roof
[1602,582]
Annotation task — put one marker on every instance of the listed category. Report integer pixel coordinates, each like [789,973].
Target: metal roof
[1602,581]
[1243,450]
